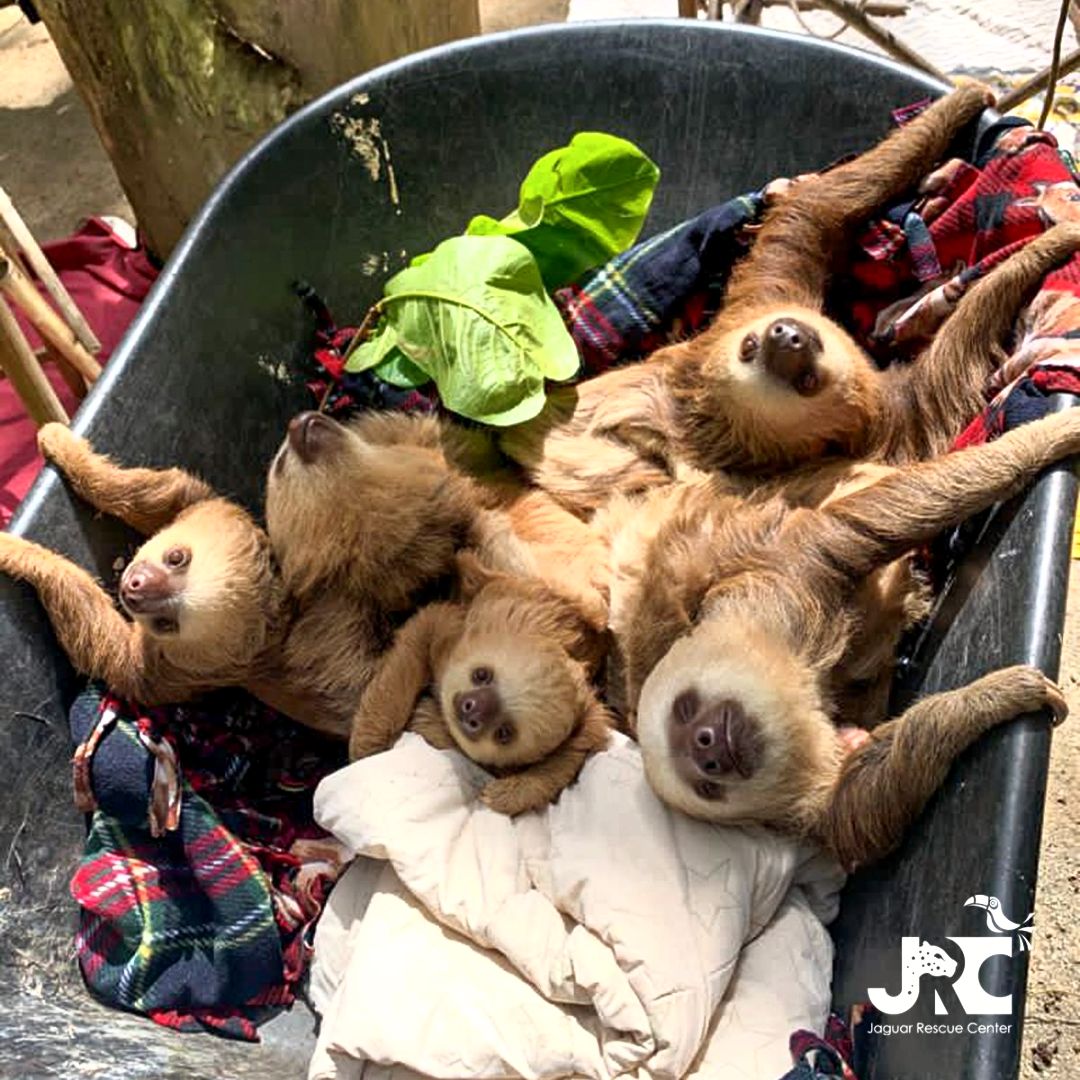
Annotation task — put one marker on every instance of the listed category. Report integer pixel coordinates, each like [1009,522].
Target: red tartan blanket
[199,913]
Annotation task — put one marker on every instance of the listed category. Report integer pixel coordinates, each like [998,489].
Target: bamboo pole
[75,382]
[24,240]
[18,288]
[27,377]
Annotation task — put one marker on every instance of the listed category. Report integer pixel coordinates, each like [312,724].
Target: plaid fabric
[664,288]
[207,925]
[972,217]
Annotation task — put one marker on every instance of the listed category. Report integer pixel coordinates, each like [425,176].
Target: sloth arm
[535,786]
[145,499]
[97,639]
[410,666]
[945,386]
[885,783]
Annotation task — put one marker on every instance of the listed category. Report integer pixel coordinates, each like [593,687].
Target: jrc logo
[919,958]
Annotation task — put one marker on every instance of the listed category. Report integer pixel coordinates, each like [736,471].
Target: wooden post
[179,89]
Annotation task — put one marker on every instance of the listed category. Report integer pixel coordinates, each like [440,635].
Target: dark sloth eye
[178,557]
[163,625]
[482,676]
[504,733]
[748,347]
[707,789]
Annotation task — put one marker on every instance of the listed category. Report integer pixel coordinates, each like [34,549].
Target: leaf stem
[363,331]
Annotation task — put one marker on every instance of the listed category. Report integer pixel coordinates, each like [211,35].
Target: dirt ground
[53,166]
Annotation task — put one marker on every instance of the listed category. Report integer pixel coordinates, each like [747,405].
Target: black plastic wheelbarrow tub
[198,382]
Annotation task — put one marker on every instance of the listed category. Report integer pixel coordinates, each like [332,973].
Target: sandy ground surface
[52,165]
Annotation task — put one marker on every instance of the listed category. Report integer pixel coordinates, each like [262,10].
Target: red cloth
[108,281]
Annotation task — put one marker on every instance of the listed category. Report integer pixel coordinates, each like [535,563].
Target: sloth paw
[58,444]
[513,795]
[1034,691]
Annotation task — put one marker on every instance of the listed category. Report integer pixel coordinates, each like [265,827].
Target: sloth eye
[504,734]
[482,676]
[163,625]
[178,557]
[707,789]
[748,347]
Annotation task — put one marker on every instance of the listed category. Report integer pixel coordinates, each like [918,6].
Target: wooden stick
[1055,64]
[851,13]
[886,9]
[24,239]
[748,12]
[10,247]
[18,287]
[27,377]
[687,9]
[1019,94]
[75,382]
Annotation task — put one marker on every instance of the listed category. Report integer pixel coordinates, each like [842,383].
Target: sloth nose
[476,710]
[786,333]
[722,739]
[309,433]
[790,352]
[713,739]
[144,584]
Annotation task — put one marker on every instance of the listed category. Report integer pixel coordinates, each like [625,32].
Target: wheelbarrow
[199,382]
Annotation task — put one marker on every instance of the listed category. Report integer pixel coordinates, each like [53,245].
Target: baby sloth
[740,648]
[508,669]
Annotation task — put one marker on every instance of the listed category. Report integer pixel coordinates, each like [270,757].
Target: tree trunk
[179,89]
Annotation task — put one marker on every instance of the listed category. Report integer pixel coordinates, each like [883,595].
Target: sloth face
[790,384]
[511,699]
[731,729]
[202,584]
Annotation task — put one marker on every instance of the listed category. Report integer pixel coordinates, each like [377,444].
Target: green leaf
[579,206]
[374,351]
[475,317]
[398,370]
[381,352]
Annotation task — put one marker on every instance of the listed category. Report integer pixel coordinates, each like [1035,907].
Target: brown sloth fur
[508,668]
[773,383]
[739,641]
[363,521]
[894,597]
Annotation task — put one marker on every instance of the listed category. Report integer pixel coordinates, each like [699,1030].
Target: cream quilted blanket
[607,935]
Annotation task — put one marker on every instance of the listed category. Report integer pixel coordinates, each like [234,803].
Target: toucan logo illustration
[1000,923]
[919,958]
